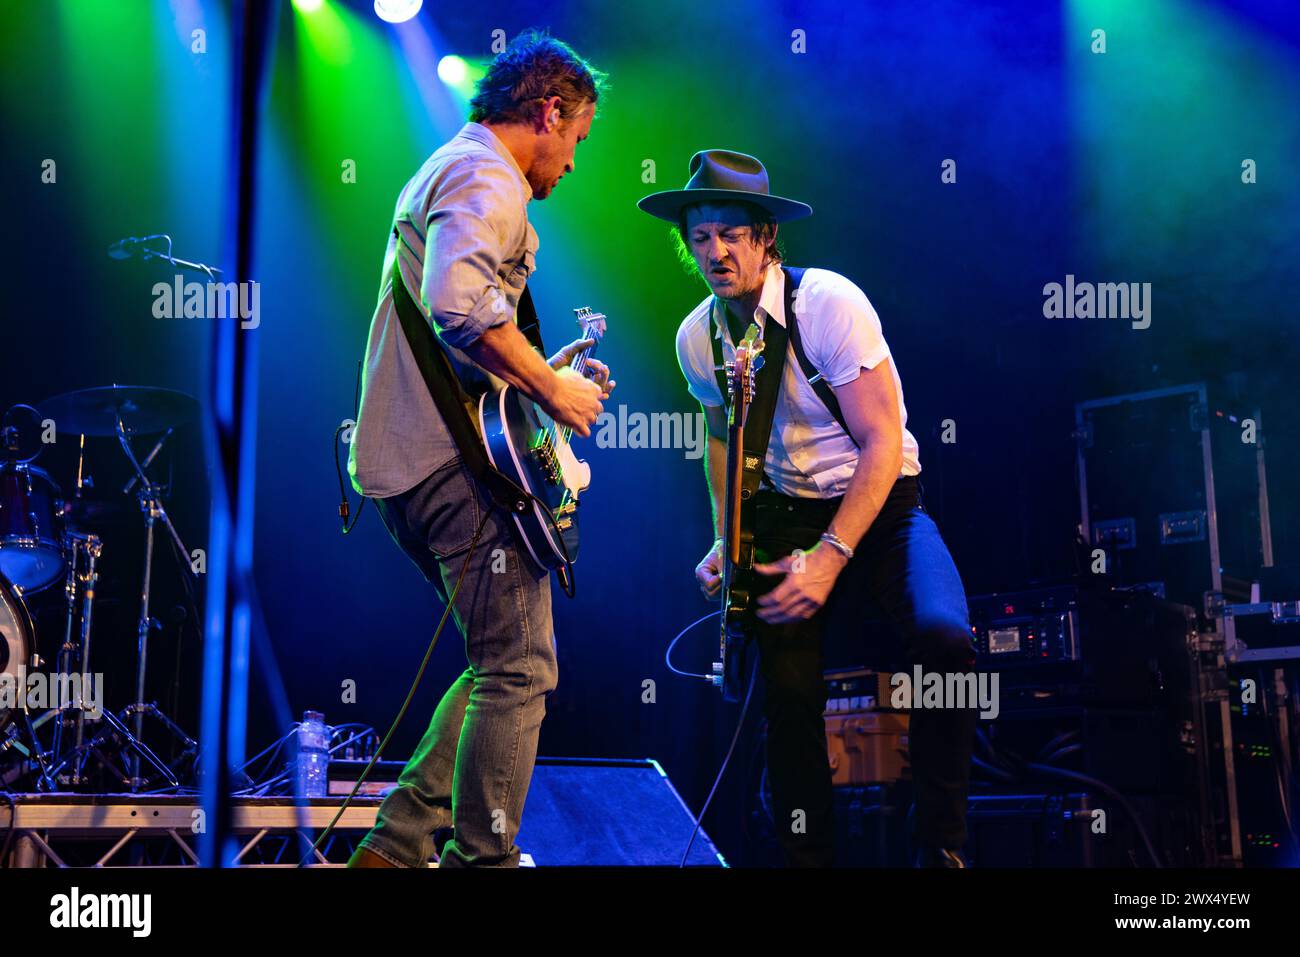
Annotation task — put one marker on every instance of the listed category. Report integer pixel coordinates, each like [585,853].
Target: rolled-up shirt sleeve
[475,221]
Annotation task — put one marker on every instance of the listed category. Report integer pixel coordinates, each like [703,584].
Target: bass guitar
[533,450]
[737,535]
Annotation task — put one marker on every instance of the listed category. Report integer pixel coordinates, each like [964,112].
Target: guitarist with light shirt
[839,484]
[466,251]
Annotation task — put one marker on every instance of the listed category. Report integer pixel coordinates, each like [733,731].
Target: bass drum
[15,651]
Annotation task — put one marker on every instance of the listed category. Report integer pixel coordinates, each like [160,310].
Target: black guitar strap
[758,427]
[529,324]
[762,408]
[452,402]
[793,276]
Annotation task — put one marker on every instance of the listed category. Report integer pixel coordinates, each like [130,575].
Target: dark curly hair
[532,68]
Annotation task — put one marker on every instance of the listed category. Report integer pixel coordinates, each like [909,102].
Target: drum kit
[69,741]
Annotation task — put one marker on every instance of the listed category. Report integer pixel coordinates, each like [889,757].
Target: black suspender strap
[758,425]
[449,395]
[823,388]
[762,408]
[793,276]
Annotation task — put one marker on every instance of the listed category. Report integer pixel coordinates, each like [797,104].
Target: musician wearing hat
[840,531]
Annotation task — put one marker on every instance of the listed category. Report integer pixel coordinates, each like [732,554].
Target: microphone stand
[126,248]
[153,510]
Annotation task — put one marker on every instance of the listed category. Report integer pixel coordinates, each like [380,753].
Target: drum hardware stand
[71,655]
[116,725]
[77,653]
[98,412]
[23,739]
[76,758]
[191,746]
[153,510]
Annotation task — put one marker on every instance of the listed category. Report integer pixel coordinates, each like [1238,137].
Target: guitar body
[737,529]
[513,426]
[737,618]
[530,448]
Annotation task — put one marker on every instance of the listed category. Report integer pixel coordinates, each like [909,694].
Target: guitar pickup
[548,461]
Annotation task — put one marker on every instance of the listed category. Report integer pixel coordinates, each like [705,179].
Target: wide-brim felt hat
[723,176]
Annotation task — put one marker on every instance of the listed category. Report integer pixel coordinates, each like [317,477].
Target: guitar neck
[731,503]
[578,363]
[740,374]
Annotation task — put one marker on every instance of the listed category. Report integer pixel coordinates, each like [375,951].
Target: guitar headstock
[742,370]
[592,323]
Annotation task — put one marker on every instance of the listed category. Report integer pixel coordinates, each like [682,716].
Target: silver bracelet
[837,543]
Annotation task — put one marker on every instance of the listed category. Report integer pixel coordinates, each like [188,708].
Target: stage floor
[46,826]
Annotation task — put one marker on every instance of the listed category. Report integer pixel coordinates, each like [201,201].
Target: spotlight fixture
[452,70]
[397,11]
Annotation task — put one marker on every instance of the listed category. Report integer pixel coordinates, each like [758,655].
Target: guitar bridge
[550,464]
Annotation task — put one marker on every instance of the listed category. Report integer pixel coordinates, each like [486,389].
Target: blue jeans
[472,768]
[901,571]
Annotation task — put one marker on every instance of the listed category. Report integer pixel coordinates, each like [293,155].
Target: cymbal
[143,410]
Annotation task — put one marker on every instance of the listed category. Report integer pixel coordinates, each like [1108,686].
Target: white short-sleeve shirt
[809,455]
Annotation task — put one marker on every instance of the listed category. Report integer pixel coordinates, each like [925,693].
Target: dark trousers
[901,571]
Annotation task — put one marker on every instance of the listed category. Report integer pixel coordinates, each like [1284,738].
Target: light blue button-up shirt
[465,243]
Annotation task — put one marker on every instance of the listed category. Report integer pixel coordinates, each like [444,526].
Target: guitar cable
[428,653]
[668,654]
[410,695]
[722,770]
[344,508]
[569,587]
[735,737]
[568,582]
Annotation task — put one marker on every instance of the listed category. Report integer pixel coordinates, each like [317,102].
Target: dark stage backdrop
[1117,166]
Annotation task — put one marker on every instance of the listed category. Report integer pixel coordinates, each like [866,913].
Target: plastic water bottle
[313,755]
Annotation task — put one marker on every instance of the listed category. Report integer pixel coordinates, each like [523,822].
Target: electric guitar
[737,537]
[533,450]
